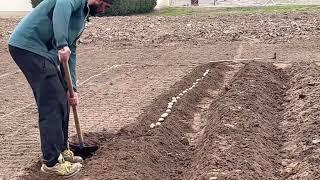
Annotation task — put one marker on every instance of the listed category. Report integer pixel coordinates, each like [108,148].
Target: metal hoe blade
[85,151]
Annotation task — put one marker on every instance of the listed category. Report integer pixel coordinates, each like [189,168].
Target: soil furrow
[139,152]
[301,127]
[242,138]
[243,121]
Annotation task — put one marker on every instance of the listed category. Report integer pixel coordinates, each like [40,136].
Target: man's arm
[61,18]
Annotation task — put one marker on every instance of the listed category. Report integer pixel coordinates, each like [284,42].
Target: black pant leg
[50,95]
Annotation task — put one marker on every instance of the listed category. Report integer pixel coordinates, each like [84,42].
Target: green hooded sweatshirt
[49,27]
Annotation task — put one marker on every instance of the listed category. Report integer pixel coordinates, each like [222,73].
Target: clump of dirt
[301,125]
[242,138]
[138,152]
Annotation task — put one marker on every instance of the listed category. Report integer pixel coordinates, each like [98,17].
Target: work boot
[69,156]
[62,168]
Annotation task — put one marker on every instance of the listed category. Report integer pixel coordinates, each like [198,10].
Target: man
[44,39]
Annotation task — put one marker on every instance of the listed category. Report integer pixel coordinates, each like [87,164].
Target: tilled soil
[244,120]
[242,138]
[139,152]
[300,126]
[156,31]
[252,130]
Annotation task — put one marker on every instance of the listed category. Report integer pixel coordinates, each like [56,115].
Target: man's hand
[73,101]
[64,54]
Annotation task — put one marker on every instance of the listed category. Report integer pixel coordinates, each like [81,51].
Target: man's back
[47,27]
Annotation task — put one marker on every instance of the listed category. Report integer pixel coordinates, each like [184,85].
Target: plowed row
[255,122]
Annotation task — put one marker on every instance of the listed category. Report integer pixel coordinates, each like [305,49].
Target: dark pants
[46,82]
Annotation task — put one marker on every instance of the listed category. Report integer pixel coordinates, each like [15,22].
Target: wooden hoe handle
[74,108]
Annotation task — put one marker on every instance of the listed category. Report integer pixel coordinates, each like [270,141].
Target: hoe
[81,149]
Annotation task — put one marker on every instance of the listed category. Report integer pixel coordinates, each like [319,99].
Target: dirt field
[244,120]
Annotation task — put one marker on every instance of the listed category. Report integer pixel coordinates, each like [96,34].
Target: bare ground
[244,120]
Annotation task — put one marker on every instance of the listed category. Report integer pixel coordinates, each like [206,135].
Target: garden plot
[131,67]
[241,121]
